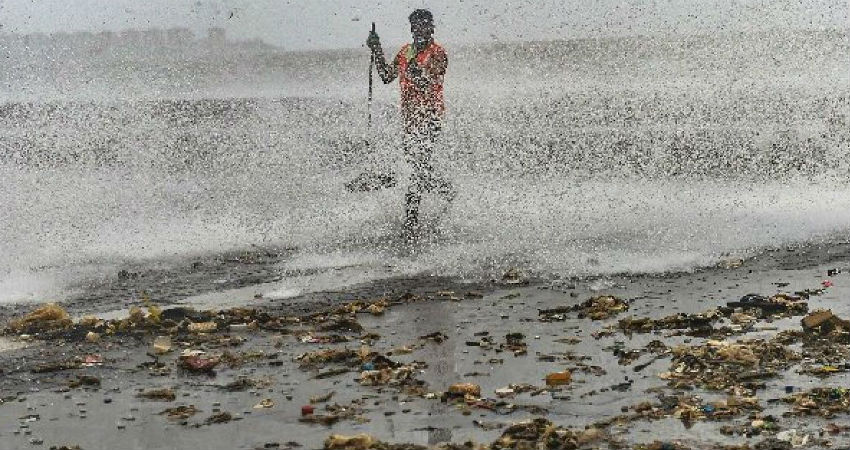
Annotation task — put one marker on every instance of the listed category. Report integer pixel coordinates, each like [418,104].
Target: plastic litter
[559,378]
[45,318]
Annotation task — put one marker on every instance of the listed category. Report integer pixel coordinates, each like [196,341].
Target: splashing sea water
[572,159]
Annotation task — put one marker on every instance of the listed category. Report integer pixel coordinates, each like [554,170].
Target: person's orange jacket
[418,104]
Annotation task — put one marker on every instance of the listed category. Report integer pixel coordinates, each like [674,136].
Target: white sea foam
[591,160]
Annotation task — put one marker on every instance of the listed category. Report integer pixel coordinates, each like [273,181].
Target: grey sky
[301,24]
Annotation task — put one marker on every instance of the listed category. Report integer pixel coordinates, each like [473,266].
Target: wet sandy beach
[393,378]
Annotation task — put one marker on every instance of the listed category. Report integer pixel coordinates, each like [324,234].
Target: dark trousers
[418,149]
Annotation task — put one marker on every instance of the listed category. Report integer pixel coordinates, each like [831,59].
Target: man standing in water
[420,67]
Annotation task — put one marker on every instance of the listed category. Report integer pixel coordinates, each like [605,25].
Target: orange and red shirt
[417,103]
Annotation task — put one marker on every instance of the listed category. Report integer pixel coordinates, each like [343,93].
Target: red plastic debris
[92,360]
[199,364]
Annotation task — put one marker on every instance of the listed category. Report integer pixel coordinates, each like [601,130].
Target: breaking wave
[588,158]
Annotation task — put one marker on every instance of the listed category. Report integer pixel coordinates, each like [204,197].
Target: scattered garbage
[823,402]
[245,383]
[719,365]
[84,380]
[356,442]
[664,445]
[403,350]
[541,433]
[388,376]
[202,327]
[701,323]
[161,345]
[50,317]
[824,322]
[323,357]
[376,309]
[515,343]
[464,390]
[731,263]
[505,392]
[321,419]
[341,325]
[322,398]
[161,394]
[834,428]
[743,313]
[733,370]
[558,378]
[198,364]
[266,403]
[92,360]
[779,305]
[222,417]
[182,412]
[326,339]
[332,373]
[596,308]
[436,337]
[796,438]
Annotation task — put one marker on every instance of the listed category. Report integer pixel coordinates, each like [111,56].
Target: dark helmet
[421,16]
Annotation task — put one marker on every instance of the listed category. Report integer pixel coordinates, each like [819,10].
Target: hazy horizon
[343,24]
[201,35]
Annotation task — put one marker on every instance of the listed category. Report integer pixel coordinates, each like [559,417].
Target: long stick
[371,64]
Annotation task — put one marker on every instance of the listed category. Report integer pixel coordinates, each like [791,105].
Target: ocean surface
[571,159]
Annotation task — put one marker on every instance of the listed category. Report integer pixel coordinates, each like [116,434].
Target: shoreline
[172,282]
[428,326]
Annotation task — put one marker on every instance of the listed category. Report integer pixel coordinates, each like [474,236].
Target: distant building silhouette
[154,37]
[217,36]
[107,38]
[130,36]
[179,36]
[63,44]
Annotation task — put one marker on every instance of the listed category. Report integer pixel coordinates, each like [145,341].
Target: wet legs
[418,148]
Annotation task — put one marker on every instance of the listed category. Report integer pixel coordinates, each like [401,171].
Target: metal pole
[371,64]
